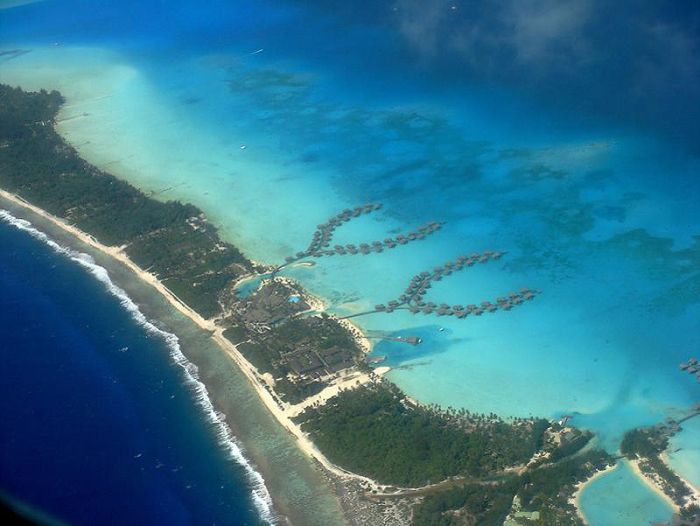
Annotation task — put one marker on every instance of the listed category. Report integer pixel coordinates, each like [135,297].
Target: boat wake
[260,494]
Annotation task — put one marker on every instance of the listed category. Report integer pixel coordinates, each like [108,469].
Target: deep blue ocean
[98,424]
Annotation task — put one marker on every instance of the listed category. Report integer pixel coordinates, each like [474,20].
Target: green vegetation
[482,504]
[374,431]
[646,445]
[300,354]
[544,490]
[171,240]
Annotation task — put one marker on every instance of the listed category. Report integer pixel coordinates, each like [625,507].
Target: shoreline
[216,333]
[634,465]
[581,487]
[693,498]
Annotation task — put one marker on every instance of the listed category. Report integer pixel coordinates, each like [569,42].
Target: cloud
[635,61]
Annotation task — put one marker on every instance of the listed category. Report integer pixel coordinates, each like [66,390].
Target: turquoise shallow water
[598,214]
[621,499]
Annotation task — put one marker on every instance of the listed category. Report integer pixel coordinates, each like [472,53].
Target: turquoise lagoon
[598,215]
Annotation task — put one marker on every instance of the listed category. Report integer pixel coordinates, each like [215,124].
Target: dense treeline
[373,431]
[170,239]
[646,445]
[482,504]
[642,443]
[545,489]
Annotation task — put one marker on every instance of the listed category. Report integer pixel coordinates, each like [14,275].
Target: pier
[320,245]
[692,367]
[413,296]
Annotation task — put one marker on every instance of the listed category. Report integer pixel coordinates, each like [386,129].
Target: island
[393,460]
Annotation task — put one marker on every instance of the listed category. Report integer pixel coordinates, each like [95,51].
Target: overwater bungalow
[497,255]
[301,255]
[478,311]
[437,277]
[393,303]
[340,251]
[390,244]
[431,305]
[389,309]
[501,299]
[692,361]
[487,253]
[444,306]
[289,259]
[427,310]
[492,308]
[470,262]
[483,259]
[517,300]
[506,305]
[377,249]
[683,366]
[425,274]
[412,236]
[413,309]
[441,311]
[485,303]
[421,303]
[356,212]
[693,369]
[329,252]
[461,314]
[449,264]
[380,307]
[364,250]
[404,298]
[401,241]
[457,307]
[471,307]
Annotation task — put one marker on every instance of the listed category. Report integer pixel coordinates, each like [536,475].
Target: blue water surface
[98,425]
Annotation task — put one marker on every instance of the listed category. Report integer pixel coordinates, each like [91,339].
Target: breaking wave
[260,494]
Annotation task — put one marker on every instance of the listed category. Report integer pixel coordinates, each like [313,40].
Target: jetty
[320,244]
[692,367]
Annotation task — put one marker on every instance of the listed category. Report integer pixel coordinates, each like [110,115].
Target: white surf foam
[260,494]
